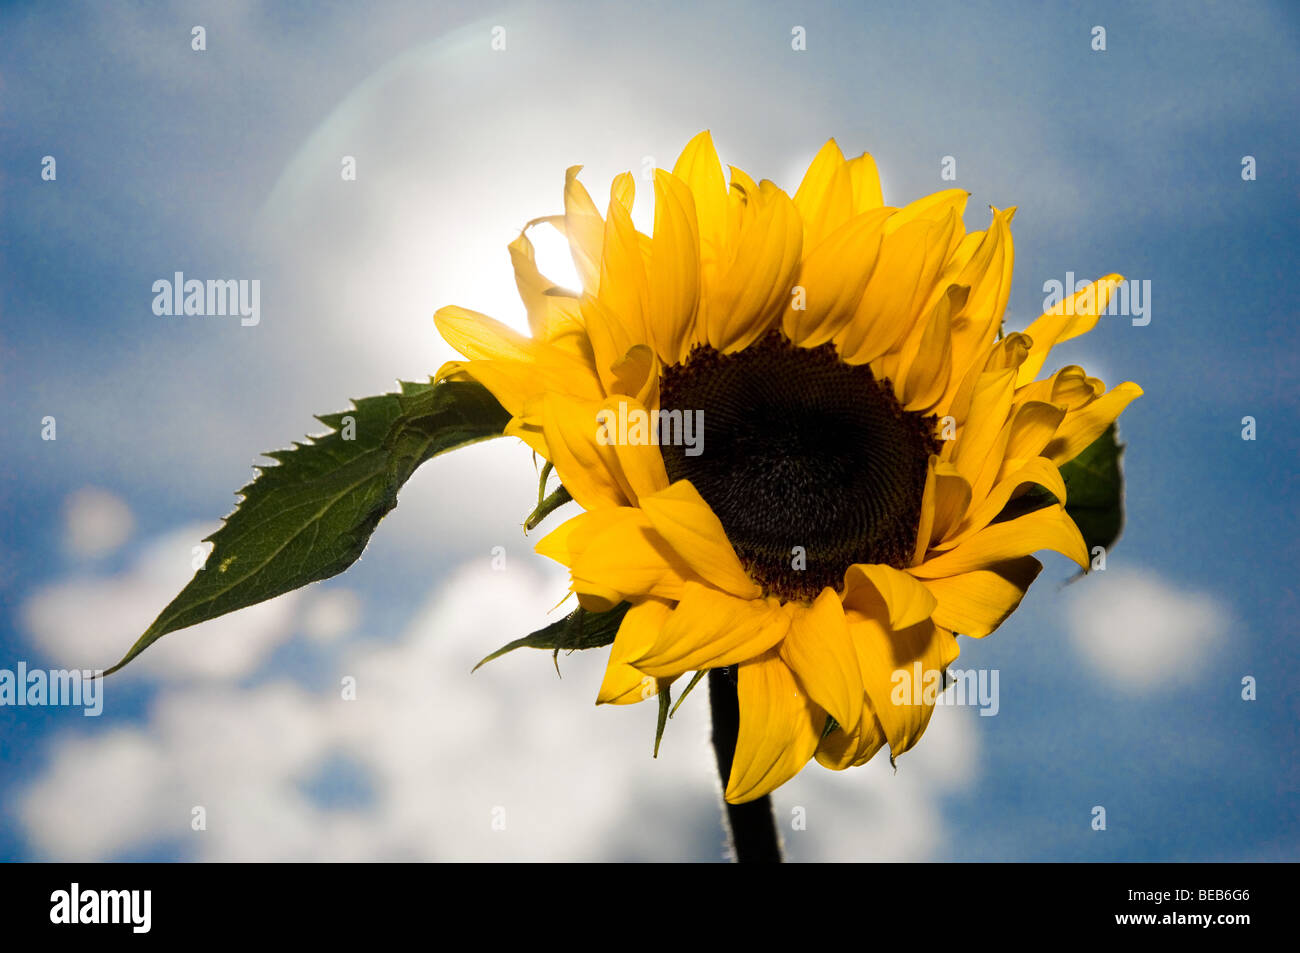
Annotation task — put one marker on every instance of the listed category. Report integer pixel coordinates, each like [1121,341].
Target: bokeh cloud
[429,762]
[1139,632]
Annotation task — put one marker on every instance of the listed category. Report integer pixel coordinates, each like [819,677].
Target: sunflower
[865,422]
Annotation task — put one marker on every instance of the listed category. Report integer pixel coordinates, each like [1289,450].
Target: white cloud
[98,795]
[330,613]
[89,621]
[439,750]
[470,500]
[436,751]
[1137,631]
[95,522]
[877,813]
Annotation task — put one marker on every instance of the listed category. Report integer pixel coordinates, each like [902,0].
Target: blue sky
[1123,690]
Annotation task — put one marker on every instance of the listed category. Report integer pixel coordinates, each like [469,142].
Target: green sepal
[695,679]
[310,516]
[558,497]
[665,702]
[579,629]
[546,505]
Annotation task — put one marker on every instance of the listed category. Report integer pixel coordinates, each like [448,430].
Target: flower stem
[752,825]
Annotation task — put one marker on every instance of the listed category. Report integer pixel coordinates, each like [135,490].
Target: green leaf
[579,629]
[1094,489]
[1094,486]
[309,517]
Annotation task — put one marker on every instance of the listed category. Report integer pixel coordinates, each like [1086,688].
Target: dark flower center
[811,464]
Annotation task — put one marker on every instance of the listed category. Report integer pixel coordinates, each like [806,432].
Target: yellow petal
[674,269]
[711,629]
[936,207]
[821,654]
[512,365]
[991,466]
[977,437]
[832,279]
[825,196]
[482,338]
[1037,471]
[1048,528]
[742,190]
[866,184]
[1009,353]
[582,450]
[908,264]
[780,727]
[902,670]
[518,384]
[926,368]
[638,464]
[584,228]
[1033,424]
[681,517]
[629,560]
[623,684]
[572,537]
[1073,316]
[754,287]
[929,503]
[1004,355]
[975,603]
[453,371]
[988,274]
[871,586]
[553,315]
[643,467]
[1070,387]
[699,168]
[841,749]
[1086,424]
[952,500]
[624,287]
[613,341]
[636,374]
[530,434]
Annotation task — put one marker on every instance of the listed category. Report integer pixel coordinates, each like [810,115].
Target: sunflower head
[795,429]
